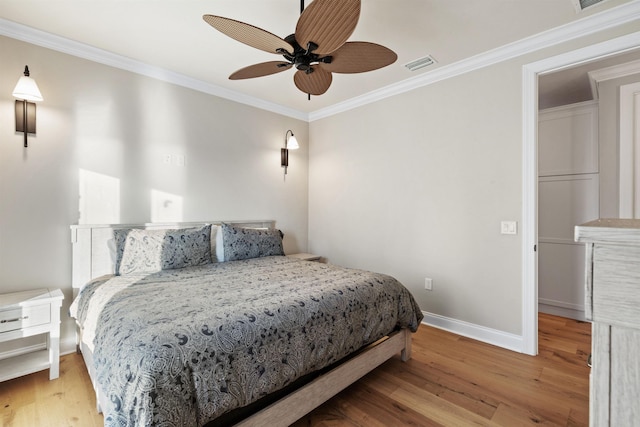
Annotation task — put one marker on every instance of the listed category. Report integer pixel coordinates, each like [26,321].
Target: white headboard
[91,256]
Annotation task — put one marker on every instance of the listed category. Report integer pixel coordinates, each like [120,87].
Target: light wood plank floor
[450,381]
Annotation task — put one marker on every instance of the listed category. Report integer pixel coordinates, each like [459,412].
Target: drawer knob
[14,320]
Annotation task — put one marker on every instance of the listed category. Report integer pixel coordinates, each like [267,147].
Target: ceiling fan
[318,47]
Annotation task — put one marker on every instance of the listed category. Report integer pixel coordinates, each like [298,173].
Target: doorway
[530,169]
[568,192]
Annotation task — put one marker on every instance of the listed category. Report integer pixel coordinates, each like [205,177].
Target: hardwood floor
[456,381]
[450,381]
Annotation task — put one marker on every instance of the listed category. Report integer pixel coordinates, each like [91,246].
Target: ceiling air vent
[583,4]
[420,63]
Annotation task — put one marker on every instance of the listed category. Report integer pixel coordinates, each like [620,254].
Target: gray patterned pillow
[149,251]
[244,243]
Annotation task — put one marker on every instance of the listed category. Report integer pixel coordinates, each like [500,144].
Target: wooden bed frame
[91,259]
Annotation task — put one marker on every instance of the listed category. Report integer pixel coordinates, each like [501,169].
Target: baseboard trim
[23,350]
[67,346]
[562,304]
[558,310]
[480,333]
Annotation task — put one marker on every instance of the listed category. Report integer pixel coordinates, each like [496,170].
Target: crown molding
[609,18]
[609,73]
[51,41]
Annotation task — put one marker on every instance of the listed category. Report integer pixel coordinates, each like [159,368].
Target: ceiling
[171,35]
[574,84]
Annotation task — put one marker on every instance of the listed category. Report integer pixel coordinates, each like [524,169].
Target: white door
[568,195]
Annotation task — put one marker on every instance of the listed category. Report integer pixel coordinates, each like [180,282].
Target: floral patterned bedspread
[181,347]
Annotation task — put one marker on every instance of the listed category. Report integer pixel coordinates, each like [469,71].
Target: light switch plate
[509,227]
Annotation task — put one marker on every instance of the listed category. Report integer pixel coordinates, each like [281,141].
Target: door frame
[629,160]
[530,73]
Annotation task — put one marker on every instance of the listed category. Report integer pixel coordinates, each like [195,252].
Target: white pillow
[219,247]
[216,237]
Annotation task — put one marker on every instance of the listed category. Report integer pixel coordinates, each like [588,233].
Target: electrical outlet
[428,284]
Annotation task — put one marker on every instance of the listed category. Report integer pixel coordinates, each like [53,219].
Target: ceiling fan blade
[315,83]
[328,24]
[259,70]
[248,34]
[359,57]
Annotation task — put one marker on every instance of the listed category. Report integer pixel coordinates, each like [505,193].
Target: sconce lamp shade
[292,142]
[27,88]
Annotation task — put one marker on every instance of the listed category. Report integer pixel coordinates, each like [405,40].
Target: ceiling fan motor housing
[302,58]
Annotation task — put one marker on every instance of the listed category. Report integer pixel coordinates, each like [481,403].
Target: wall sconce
[26,90]
[290,143]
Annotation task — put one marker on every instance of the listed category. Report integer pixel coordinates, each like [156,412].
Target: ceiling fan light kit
[318,48]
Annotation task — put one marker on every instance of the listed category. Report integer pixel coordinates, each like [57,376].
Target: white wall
[416,186]
[123,126]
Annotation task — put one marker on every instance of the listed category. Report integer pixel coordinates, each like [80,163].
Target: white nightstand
[305,256]
[28,313]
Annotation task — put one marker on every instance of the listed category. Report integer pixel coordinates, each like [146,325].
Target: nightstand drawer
[24,317]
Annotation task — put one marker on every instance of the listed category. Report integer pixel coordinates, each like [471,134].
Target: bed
[210,324]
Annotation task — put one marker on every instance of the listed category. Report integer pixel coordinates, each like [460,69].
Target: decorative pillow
[244,243]
[149,251]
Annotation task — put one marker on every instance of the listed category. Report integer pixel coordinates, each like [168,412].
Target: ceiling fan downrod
[311,46]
